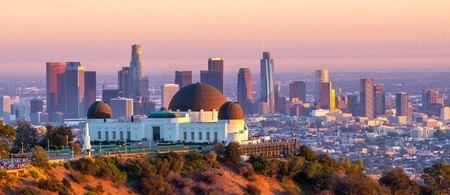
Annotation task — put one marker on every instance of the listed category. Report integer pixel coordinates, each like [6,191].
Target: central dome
[196,97]
[99,110]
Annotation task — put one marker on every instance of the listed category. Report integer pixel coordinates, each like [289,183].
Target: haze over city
[344,35]
[225,97]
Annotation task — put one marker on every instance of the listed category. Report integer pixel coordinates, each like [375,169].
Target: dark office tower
[143,106]
[90,88]
[124,82]
[278,100]
[244,90]
[326,96]
[141,87]
[214,75]
[354,104]
[367,97]
[55,87]
[297,89]
[431,99]
[108,94]
[36,105]
[380,101]
[75,102]
[183,78]
[401,104]
[267,80]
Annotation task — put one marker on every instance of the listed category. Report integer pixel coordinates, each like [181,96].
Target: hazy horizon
[302,36]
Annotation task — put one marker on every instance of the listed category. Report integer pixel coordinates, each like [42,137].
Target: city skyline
[341,36]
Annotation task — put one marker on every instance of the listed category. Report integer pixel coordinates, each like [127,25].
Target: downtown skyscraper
[267,80]
[183,78]
[131,80]
[90,88]
[380,100]
[74,91]
[402,104]
[55,82]
[244,90]
[214,75]
[297,89]
[367,97]
[321,76]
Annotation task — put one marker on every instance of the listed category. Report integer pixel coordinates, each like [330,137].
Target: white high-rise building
[123,107]
[167,92]
[320,77]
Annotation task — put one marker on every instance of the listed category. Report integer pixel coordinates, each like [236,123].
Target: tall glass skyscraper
[367,97]
[55,87]
[132,81]
[267,80]
[321,76]
[74,95]
[244,90]
[214,75]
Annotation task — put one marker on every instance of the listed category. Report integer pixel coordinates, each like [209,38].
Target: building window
[128,135]
[114,135]
[184,136]
[207,136]
[199,135]
[215,136]
[107,135]
[121,135]
[99,135]
[192,135]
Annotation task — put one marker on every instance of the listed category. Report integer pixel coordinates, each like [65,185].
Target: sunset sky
[180,35]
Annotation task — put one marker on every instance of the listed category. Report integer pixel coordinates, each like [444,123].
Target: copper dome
[231,111]
[197,96]
[99,110]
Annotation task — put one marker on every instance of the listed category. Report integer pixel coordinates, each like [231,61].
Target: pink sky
[181,35]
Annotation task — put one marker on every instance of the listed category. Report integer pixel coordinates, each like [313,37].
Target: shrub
[51,184]
[31,190]
[246,169]
[85,165]
[34,174]
[39,158]
[261,164]
[67,165]
[253,190]
[66,183]
[78,177]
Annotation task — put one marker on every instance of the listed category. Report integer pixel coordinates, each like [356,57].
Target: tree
[7,132]
[438,177]
[58,136]
[399,183]
[307,153]
[212,156]
[76,149]
[232,153]
[260,164]
[25,134]
[39,158]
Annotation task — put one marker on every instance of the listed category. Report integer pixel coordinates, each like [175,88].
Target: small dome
[99,110]
[231,111]
[196,97]
[163,113]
